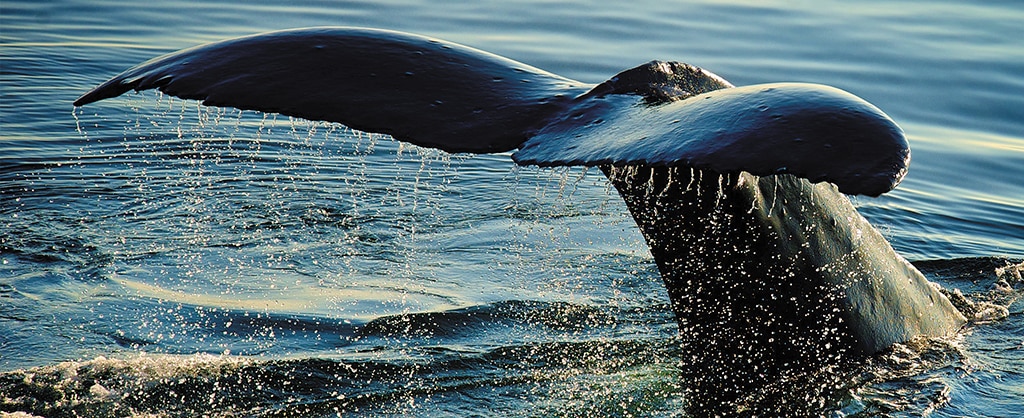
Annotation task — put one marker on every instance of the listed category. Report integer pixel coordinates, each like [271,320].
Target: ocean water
[162,258]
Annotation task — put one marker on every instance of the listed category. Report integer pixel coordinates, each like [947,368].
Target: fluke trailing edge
[765,262]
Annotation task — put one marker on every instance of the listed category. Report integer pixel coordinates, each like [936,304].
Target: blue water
[161,257]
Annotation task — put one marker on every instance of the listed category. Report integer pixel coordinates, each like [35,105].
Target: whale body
[738,191]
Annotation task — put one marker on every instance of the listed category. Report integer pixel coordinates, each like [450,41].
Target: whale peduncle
[775,274]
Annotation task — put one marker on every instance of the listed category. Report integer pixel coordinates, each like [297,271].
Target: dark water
[161,258]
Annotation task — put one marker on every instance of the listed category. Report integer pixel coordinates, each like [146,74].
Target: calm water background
[252,264]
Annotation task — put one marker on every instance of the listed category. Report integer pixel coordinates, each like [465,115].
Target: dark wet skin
[771,272]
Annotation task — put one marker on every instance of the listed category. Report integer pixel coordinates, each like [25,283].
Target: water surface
[154,251]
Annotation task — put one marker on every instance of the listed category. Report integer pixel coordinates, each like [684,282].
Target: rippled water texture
[159,257]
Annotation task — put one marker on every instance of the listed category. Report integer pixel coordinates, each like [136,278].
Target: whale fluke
[443,95]
[812,131]
[419,90]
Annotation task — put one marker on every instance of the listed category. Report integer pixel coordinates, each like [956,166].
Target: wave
[511,379]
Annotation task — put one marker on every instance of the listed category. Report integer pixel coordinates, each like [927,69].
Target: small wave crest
[983,289]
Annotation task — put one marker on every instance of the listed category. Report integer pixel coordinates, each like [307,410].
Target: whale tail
[442,95]
[770,277]
[419,90]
